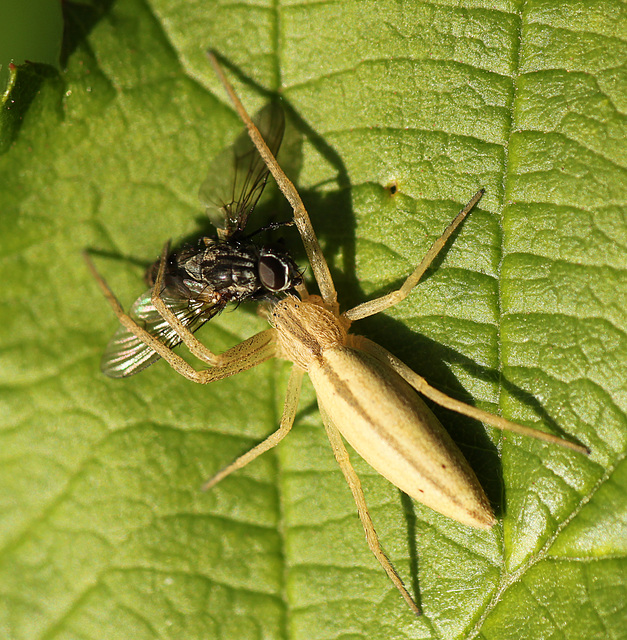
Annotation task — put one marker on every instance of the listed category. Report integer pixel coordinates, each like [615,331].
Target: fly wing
[238,175]
[126,354]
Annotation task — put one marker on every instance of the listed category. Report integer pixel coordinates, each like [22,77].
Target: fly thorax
[305,330]
[229,270]
[243,274]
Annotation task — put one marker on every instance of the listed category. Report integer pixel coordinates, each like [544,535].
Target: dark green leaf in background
[104,532]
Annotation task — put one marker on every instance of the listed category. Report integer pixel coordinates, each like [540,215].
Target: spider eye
[273,273]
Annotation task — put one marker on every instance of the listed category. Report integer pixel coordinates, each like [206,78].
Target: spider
[365,393]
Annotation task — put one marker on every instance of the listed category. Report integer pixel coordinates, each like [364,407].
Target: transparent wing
[126,354]
[238,175]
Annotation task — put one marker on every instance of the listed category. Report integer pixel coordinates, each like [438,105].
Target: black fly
[200,281]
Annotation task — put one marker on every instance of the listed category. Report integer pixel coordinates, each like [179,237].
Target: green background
[104,532]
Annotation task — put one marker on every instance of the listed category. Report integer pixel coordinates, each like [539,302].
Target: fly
[200,281]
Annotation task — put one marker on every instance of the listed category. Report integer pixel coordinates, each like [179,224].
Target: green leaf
[104,530]
[29,31]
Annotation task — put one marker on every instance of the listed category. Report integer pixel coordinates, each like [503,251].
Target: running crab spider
[364,392]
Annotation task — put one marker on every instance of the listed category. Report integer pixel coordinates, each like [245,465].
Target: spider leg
[287,420]
[245,355]
[385,302]
[194,345]
[301,217]
[342,457]
[423,387]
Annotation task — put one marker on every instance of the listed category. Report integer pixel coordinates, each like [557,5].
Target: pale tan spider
[364,392]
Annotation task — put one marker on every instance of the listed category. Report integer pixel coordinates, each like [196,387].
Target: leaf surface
[104,530]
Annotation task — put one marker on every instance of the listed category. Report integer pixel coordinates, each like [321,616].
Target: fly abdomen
[228,267]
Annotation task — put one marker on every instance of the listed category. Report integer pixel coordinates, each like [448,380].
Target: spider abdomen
[389,425]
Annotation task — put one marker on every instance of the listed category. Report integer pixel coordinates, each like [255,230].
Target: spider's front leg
[243,356]
[194,345]
[301,217]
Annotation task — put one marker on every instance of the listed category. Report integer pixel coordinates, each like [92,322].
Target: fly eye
[273,273]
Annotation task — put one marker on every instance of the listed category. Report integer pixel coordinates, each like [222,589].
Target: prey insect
[198,282]
[365,394]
